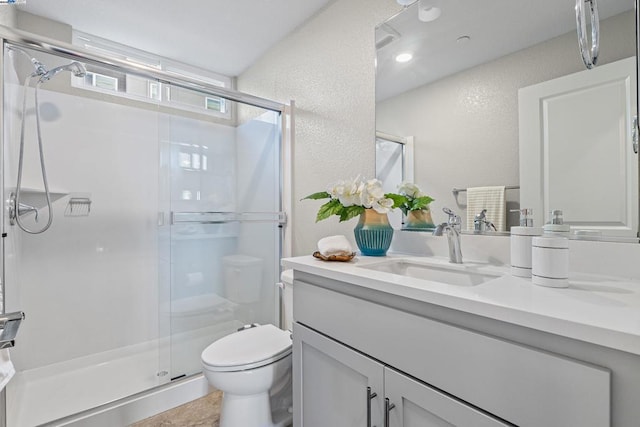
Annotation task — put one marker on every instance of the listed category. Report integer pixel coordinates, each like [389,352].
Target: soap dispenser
[550,253]
[556,225]
[550,261]
[521,243]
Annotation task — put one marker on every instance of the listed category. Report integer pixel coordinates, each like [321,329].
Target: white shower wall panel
[258,167]
[90,283]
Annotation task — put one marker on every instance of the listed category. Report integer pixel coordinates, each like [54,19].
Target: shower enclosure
[166,225]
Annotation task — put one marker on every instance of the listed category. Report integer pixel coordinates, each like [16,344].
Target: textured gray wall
[327,67]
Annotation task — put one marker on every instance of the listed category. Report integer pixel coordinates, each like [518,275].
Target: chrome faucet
[452,227]
[481,223]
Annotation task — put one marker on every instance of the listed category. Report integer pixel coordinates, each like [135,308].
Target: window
[102,81]
[131,86]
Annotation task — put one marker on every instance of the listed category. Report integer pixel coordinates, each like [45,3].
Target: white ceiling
[225,36]
[495,27]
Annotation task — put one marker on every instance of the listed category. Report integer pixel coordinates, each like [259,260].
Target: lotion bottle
[521,244]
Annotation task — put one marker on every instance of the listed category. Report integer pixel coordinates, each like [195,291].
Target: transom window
[122,84]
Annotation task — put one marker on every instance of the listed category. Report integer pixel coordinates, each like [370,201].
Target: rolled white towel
[7,371]
[334,245]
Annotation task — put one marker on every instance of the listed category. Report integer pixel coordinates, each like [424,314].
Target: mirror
[496,94]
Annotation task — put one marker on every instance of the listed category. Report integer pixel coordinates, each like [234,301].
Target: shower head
[74,67]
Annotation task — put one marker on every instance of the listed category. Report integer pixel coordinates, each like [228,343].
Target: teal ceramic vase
[373,233]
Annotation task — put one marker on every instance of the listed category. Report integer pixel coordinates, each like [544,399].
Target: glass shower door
[88,284]
[224,220]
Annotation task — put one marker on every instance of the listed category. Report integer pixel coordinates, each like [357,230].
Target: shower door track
[48,45]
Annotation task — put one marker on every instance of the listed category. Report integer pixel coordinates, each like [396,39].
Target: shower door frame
[51,46]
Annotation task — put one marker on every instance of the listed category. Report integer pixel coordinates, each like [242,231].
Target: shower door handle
[634,135]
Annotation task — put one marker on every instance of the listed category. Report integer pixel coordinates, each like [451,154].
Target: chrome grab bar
[9,324]
[589,56]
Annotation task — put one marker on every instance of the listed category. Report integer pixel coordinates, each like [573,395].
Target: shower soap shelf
[37,198]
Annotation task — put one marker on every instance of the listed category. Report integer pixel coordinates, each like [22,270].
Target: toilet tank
[287,280]
[242,278]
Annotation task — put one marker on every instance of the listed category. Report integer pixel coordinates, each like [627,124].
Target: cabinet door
[332,382]
[418,405]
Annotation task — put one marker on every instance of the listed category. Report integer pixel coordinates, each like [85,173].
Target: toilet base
[248,411]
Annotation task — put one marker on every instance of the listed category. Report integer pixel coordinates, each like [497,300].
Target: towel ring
[589,56]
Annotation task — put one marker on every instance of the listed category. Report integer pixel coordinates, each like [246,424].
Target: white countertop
[596,309]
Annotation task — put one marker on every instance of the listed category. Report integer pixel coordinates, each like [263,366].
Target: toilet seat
[248,349]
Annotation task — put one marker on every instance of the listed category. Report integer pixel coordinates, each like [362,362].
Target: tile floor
[203,412]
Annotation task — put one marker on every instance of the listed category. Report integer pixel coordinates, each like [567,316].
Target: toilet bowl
[252,367]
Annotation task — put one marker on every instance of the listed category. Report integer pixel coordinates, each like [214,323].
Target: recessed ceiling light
[463,39]
[404,57]
[429,10]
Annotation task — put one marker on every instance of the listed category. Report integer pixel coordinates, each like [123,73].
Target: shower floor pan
[42,395]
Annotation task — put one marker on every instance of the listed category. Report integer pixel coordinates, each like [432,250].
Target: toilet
[252,367]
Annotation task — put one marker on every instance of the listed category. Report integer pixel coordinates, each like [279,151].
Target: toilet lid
[247,349]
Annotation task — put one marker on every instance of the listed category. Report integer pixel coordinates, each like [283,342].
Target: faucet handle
[454,220]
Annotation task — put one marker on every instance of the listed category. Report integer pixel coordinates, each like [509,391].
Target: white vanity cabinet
[441,367]
[340,387]
[335,385]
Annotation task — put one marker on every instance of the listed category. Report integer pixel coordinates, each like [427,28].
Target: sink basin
[459,275]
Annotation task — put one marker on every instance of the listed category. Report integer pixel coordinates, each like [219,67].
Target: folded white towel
[7,371]
[490,198]
[334,245]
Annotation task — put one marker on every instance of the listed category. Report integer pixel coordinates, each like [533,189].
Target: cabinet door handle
[369,397]
[387,408]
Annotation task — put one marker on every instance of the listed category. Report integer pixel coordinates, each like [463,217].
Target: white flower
[383,206]
[371,193]
[347,192]
[358,192]
[410,190]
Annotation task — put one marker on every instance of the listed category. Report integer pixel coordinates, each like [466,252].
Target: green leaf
[317,196]
[350,212]
[332,207]
[398,199]
[421,203]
